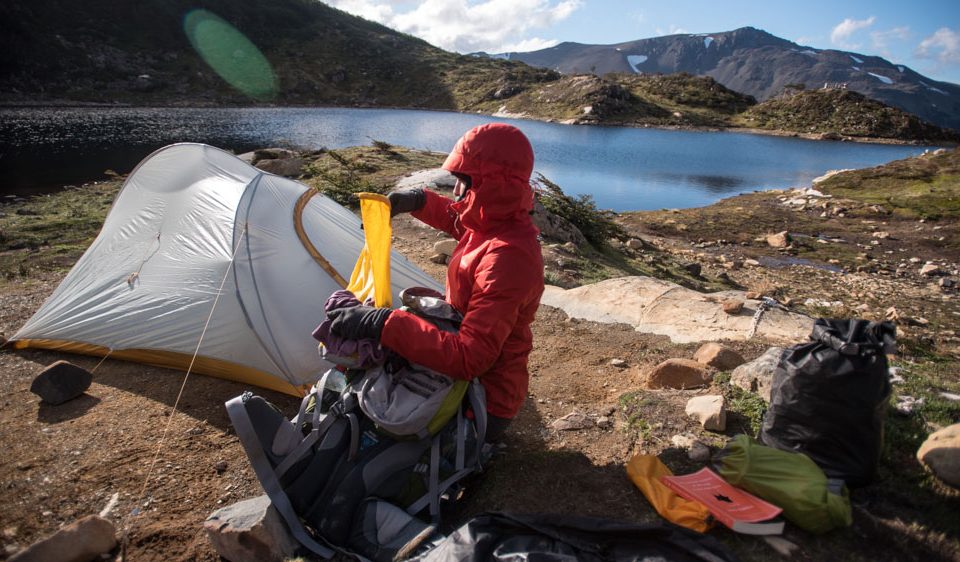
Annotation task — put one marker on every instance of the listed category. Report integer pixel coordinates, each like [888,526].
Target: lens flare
[230,54]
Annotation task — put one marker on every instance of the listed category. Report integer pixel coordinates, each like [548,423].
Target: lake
[42,149]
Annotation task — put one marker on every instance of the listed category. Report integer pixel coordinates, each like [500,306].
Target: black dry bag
[829,398]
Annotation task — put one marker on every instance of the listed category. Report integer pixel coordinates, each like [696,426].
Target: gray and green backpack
[371,454]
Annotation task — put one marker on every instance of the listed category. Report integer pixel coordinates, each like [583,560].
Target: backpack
[368,450]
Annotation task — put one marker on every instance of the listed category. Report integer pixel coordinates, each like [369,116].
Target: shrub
[344,179]
[597,225]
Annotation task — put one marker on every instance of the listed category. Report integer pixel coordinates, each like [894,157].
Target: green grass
[50,232]
[925,187]
[631,408]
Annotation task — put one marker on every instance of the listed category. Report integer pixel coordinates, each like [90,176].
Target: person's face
[459,189]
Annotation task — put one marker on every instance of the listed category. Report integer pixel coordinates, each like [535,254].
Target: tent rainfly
[189,219]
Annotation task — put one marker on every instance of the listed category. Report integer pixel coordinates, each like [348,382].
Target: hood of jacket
[499,160]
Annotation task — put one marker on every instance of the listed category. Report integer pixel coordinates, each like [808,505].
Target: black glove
[358,322]
[407,200]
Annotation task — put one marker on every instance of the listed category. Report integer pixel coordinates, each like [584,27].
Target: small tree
[597,225]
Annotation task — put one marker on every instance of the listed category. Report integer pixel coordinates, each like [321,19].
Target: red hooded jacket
[495,276]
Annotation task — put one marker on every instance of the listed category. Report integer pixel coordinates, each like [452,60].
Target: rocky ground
[171,463]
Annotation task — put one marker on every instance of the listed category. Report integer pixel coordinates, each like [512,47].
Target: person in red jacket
[495,276]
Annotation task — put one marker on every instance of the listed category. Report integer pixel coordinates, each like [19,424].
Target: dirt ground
[171,467]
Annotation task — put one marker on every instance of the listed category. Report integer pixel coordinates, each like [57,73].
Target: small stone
[947,283]
[699,452]
[60,382]
[603,422]
[779,240]
[757,375]
[732,306]
[683,440]
[439,259]
[618,363]
[250,530]
[783,547]
[220,467]
[941,454]
[752,295]
[634,244]
[80,541]
[445,247]
[751,263]
[930,269]
[572,421]
[718,356]
[882,235]
[907,404]
[709,410]
[679,373]
[694,269]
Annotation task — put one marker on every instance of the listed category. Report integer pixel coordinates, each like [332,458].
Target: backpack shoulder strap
[268,478]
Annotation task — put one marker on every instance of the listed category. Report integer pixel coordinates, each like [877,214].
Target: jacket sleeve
[437,213]
[502,286]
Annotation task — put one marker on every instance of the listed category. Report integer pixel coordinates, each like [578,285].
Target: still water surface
[622,168]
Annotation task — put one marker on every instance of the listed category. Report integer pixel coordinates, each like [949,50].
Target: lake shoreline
[66,104]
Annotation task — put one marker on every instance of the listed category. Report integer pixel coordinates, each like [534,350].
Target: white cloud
[841,34]
[674,30]
[882,39]
[466,26]
[531,44]
[943,46]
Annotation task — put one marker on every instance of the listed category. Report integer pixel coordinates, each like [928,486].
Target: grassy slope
[838,112]
[926,187]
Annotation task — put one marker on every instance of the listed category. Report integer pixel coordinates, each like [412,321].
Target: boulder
[436,177]
[287,167]
[732,306]
[272,154]
[554,227]
[757,375]
[80,541]
[718,356]
[250,531]
[656,306]
[60,382]
[445,246]
[709,410]
[679,373]
[941,454]
[779,240]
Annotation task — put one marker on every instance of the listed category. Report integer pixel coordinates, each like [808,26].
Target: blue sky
[923,34]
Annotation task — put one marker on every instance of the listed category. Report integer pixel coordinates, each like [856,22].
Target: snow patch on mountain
[634,60]
[855,59]
[881,78]
[931,88]
[707,41]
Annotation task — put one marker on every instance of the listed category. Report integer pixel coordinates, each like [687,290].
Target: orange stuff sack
[645,472]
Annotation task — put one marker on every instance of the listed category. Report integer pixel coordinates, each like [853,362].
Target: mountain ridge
[757,63]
